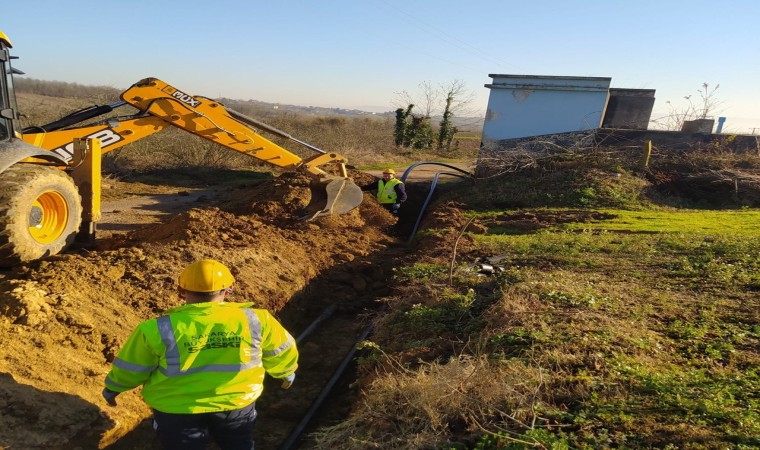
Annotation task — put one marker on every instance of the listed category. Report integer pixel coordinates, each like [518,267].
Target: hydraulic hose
[277,132]
[74,118]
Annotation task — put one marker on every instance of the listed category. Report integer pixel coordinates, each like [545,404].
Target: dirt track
[133,212]
[62,320]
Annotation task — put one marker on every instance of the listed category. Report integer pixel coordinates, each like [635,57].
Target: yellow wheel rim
[48,217]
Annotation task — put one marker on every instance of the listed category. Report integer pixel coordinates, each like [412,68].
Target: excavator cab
[7,97]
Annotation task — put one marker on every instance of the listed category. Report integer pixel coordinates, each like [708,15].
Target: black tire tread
[17,185]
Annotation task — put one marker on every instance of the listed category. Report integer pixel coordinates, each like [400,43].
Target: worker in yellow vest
[391,192]
[201,365]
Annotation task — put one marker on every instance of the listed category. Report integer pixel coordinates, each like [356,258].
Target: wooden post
[647,153]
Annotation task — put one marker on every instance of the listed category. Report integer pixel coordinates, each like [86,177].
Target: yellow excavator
[50,174]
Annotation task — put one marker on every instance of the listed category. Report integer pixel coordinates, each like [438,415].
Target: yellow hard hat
[206,275]
[389,171]
[4,38]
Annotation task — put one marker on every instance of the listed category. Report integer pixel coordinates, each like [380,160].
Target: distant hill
[107,94]
[277,108]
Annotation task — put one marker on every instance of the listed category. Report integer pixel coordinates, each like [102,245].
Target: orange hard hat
[206,275]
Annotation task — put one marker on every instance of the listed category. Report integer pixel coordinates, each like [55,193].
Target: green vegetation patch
[630,329]
[719,223]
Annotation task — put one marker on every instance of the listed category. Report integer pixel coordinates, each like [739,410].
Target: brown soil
[62,320]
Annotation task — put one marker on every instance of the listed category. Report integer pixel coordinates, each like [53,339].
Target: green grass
[729,222]
[642,326]
[720,223]
[666,302]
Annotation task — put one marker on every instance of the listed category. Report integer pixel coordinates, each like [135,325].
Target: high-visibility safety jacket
[204,357]
[386,192]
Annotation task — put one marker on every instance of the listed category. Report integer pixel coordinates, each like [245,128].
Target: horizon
[733,125]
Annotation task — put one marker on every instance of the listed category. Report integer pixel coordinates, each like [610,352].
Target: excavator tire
[40,213]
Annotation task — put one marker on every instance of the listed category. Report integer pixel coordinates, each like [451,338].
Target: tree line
[64,89]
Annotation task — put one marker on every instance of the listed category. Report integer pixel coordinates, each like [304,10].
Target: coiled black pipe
[463,174]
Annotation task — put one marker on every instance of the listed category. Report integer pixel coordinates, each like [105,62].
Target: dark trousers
[231,430]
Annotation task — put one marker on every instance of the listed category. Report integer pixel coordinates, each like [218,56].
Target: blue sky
[360,53]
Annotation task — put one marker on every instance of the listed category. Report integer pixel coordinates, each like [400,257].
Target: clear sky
[360,53]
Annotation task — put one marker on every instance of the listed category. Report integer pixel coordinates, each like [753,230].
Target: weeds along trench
[62,320]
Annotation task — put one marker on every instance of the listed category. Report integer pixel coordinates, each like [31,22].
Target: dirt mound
[62,320]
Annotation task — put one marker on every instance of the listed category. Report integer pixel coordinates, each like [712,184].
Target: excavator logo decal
[185,98]
[181,96]
[107,137]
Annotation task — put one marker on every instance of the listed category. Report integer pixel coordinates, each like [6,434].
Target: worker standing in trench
[391,192]
[202,364]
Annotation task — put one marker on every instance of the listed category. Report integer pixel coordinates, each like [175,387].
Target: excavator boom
[161,105]
[206,118]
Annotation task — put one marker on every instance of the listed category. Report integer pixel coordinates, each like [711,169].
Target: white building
[534,105]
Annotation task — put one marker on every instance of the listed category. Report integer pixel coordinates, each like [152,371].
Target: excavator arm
[211,120]
[160,105]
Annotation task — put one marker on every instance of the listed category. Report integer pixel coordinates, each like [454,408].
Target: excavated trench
[63,320]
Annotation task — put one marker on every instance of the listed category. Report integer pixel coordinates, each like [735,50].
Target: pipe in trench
[310,329]
[299,429]
[462,174]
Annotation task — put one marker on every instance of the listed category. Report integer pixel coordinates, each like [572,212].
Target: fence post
[647,153]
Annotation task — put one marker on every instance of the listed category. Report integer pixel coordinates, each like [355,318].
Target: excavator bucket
[332,195]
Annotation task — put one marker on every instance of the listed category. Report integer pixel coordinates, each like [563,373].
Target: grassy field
[598,327]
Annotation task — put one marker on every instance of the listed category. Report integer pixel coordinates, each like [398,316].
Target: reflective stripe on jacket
[386,192]
[204,357]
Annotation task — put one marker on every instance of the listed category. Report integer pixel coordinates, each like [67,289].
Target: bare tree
[708,104]
[457,101]
[446,101]
[705,108]
[431,101]
[457,97]
[425,99]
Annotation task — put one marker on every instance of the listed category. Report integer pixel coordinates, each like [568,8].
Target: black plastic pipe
[433,163]
[325,314]
[432,187]
[299,429]
[423,208]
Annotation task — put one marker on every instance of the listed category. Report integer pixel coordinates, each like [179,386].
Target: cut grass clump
[413,409]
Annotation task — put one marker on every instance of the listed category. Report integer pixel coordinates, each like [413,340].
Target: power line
[445,37]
